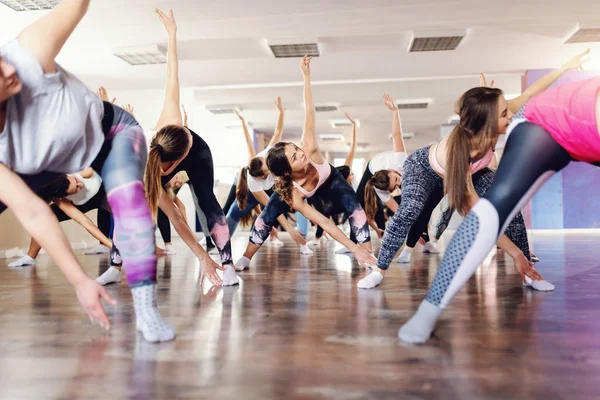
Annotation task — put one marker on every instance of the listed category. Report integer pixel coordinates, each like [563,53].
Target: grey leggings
[420,184]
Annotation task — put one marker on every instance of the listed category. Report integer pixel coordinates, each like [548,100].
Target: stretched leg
[444,220]
[419,182]
[164,226]
[262,228]
[530,158]
[420,227]
[231,198]
[235,214]
[122,173]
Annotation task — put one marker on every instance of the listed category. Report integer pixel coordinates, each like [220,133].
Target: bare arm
[397,139]
[180,225]
[171,114]
[181,209]
[39,221]
[545,82]
[279,128]
[76,215]
[247,137]
[309,139]
[46,37]
[352,152]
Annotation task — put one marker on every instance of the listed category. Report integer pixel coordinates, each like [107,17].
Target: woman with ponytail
[175,148]
[255,184]
[381,178]
[458,166]
[302,172]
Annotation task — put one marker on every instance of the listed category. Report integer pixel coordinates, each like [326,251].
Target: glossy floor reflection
[297,328]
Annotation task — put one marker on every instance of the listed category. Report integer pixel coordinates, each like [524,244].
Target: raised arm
[546,81]
[76,215]
[185,117]
[171,115]
[45,37]
[279,128]
[397,139]
[309,138]
[39,221]
[247,137]
[352,152]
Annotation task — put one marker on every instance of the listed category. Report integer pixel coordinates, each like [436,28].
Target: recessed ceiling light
[30,5]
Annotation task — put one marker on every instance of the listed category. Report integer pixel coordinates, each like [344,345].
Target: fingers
[219,267]
[104,295]
[113,100]
[97,315]
[533,274]
[492,83]
[482,82]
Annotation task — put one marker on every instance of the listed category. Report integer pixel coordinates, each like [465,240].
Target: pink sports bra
[324,171]
[474,166]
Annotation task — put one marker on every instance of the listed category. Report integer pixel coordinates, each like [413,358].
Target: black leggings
[336,190]
[200,169]
[231,197]
[531,157]
[164,226]
[417,230]
[103,218]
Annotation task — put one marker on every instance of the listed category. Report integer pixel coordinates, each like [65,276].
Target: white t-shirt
[260,184]
[91,187]
[54,124]
[387,160]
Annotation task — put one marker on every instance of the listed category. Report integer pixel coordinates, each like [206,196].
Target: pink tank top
[568,113]
[474,166]
[324,171]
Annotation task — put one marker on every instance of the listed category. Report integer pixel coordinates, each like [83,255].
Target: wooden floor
[297,328]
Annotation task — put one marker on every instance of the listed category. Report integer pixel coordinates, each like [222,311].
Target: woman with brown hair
[176,148]
[255,184]
[302,172]
[458,164]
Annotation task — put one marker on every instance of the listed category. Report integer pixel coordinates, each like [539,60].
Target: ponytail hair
[241,192]
[381,180]
[477,130]
[168,145]
[279,165]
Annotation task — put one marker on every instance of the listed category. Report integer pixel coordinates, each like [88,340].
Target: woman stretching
[347,173]
[176,148]
[381,178]
[554,128]
[256,182]
[52,122]
[303,172]
[458,164]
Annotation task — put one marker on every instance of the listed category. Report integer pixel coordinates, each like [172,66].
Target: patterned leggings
[420,185]
[336,190]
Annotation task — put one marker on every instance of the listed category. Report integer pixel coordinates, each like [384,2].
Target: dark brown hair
[478,130]
[381,180]
[169,144]
[279,165]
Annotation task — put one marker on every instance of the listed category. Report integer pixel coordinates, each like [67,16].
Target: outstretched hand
[185,117]
[483,82]
[128,108]
[577,61]
[278,104]
[103,94]
[167,21]
[89,293]
[389,102]
[305,65]
[350,118]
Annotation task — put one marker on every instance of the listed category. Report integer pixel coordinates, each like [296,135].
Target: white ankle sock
[430,248]
[541,285]
[229,276]
[148,318]
[405,256]
[304,249]
[242,264]
[170,250]
[100,249]
[24,261]
[276,242]
[418,329]
[313,242]
[111,275]
[370,281]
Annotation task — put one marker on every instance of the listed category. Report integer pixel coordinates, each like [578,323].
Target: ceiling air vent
[295,50]
[30,5]
[224,109]
[580,34]
[413,104]
[342,123]
[142,55]
[436,41]
[326,107]
[332,137]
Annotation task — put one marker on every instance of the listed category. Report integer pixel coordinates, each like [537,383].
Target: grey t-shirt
[54,124]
